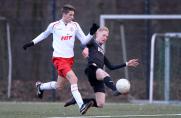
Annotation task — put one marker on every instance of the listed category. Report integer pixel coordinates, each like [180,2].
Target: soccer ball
[123,85]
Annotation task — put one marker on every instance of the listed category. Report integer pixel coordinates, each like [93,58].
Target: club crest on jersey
[66,37]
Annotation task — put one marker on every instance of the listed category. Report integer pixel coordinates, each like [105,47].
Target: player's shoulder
[54,23]
[76,24]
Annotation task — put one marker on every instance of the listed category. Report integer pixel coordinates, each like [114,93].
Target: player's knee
[59,87]
[72,77]
[74,87]
[100,104]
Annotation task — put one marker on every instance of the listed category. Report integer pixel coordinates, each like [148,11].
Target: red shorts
[63,65]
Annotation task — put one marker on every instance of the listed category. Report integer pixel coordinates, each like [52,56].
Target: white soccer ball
[123,85]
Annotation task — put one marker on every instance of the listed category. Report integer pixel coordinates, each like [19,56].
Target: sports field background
[28,18]
[56,109]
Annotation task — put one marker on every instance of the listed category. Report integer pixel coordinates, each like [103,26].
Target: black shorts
[98,85]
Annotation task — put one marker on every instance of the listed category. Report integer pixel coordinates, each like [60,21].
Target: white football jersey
[63,37]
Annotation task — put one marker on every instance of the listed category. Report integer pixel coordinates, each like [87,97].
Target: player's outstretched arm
[111,66]
[133,62]
[27,45]
[40,37]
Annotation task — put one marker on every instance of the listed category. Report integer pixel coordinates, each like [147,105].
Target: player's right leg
[60,65]
[44,86]
[72,101]
[39,92]
[41,87]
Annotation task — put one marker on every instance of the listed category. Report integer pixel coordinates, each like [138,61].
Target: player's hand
[29,44]
[94,28]
[133,62]
[85,52]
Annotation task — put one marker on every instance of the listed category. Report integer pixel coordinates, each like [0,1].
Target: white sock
[76,95]
[48,86]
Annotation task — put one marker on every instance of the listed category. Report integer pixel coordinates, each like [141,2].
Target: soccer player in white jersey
[64,32]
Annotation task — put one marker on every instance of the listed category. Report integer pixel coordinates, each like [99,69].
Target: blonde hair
[103,28]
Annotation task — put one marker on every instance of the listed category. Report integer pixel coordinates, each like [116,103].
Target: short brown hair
[66,8]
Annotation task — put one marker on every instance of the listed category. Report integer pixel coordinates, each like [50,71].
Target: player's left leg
[74,87]
[103,75]
[100,99]
[72,78]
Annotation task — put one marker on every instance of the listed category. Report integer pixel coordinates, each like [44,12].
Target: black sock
[109,83]
[86,100]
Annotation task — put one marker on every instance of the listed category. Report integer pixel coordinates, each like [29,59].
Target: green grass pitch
[111,110]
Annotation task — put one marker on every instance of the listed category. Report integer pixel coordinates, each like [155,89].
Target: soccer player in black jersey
[97,76]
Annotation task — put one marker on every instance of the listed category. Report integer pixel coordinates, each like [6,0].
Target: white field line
[122,116]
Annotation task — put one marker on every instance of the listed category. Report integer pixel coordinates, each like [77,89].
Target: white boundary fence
[9,56]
